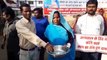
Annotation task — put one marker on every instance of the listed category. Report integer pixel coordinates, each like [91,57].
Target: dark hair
[9,11]
[92,2]
[57,12]
[24,5]
[39,9]
[2,4]
[101,9]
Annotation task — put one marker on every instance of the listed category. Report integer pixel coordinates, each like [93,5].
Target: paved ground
[3,55]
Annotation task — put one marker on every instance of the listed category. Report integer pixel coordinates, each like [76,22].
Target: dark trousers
[99,56]
[88,56]
[42,52]
[12,55]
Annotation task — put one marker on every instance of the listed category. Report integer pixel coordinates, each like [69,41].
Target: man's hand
[49,47]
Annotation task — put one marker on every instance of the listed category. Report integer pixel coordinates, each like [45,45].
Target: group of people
[29,37]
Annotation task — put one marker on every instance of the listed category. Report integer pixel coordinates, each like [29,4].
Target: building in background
[33,3]
[15,6]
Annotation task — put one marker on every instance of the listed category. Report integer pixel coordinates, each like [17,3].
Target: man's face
[26,12]
[91,9]
[37,14]
[101,11]
[6,17]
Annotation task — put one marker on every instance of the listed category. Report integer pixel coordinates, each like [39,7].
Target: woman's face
[56,18]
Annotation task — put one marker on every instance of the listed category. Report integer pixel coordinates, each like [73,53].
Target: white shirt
[93,25]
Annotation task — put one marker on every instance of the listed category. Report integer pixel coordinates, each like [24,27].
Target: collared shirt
[87,24]
[26,33]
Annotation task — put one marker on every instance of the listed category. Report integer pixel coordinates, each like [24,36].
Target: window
[30,2]
[40,2]
[21,2]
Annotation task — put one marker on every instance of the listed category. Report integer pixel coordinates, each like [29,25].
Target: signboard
[69,6]
[91,43]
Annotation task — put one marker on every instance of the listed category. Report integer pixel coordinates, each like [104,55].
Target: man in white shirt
[28,39]
[91,24]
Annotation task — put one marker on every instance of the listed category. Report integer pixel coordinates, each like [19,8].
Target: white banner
[69,7]
[65,3]
[91,43]
[72,3]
